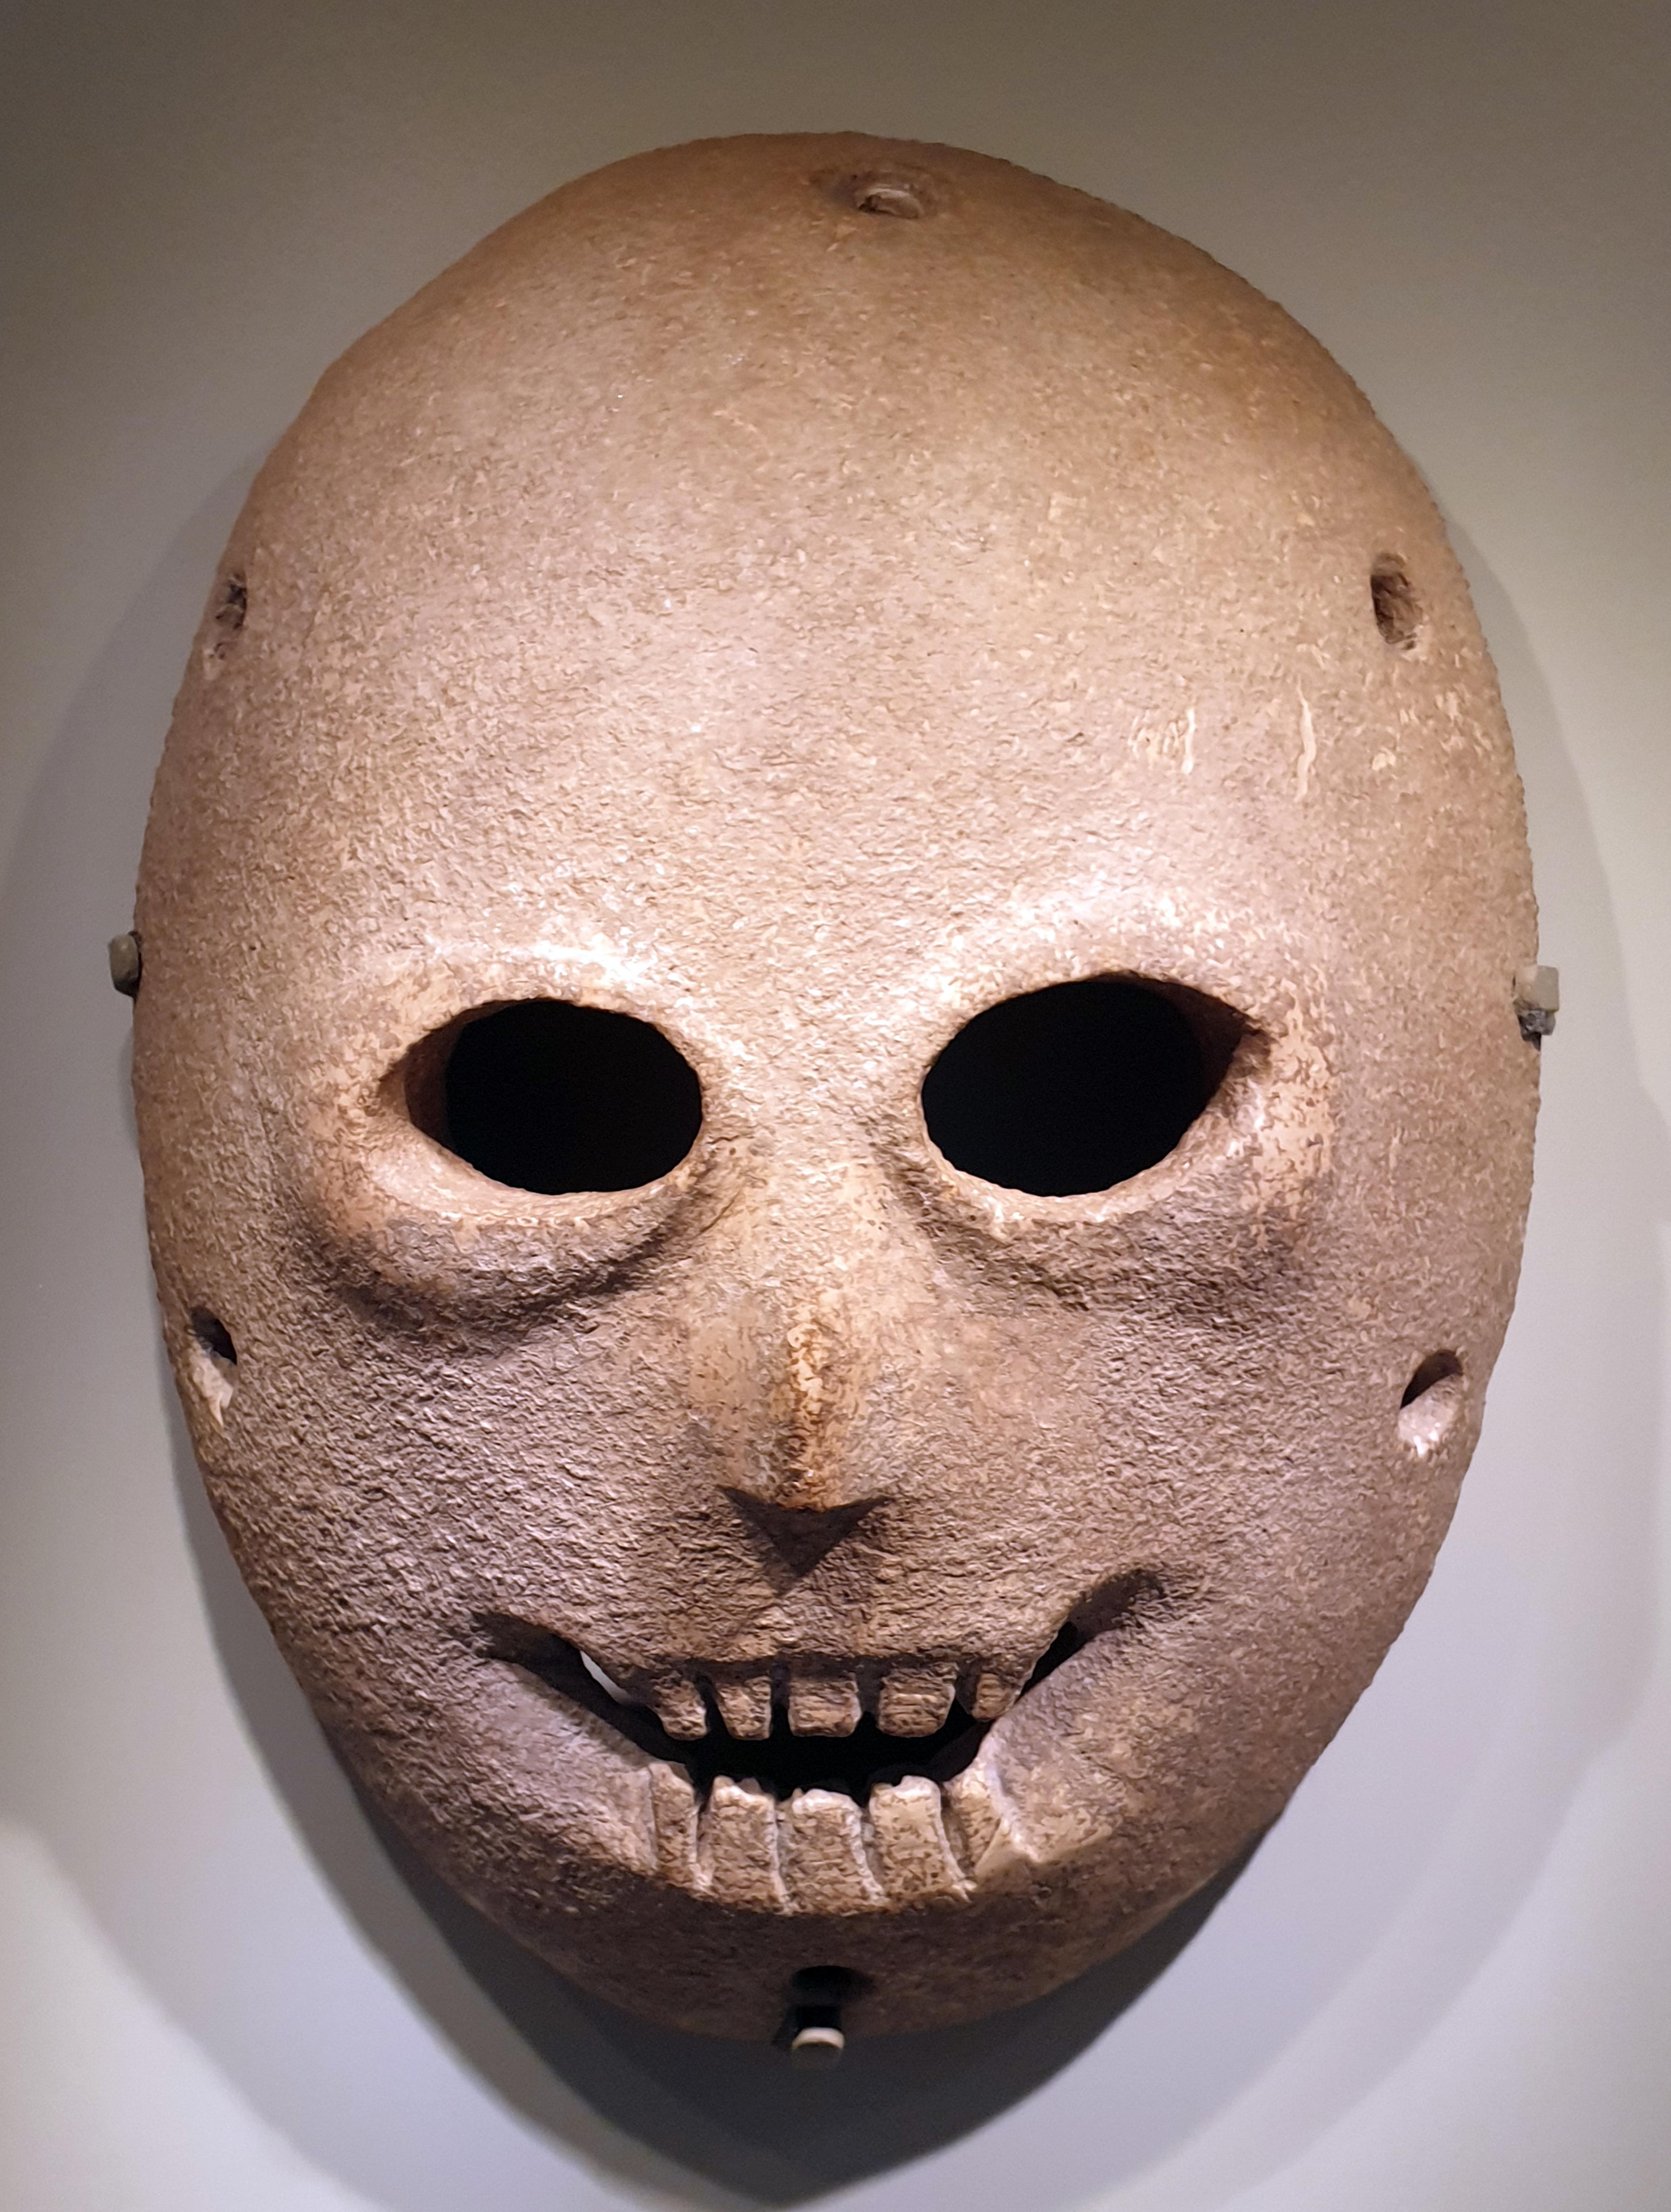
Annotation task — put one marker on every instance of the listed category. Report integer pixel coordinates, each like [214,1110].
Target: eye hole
[550,1097]
[1079,1086]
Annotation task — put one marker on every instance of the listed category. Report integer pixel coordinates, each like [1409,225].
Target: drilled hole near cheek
[1432,1403]
[214,1359]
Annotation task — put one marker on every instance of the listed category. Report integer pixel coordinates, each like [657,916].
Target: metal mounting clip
[1537,1002]
[125,962]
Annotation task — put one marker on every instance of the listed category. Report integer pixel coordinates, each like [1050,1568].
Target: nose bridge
[826,1355]
[789,1360]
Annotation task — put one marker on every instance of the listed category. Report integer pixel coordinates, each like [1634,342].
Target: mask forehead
[734,548]
[802,627]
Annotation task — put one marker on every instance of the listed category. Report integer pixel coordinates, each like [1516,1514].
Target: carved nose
[800,1534]
[797,1481]
[818,1375]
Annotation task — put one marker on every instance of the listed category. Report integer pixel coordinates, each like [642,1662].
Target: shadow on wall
[717,2124]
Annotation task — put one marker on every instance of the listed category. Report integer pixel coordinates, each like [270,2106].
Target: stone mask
[829,1071]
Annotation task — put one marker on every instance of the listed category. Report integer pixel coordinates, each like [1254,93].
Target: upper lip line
[1116,1600]
[784,1758]
[986,1682]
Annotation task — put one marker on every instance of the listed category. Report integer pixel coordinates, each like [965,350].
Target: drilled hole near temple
[227,620]
[1397,609]
[547,1096]
[1077,1087]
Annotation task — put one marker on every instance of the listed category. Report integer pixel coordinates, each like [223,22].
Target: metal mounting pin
[1537,1002]
[811,2034]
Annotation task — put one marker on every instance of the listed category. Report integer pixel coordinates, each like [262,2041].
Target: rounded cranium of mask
[827,1069]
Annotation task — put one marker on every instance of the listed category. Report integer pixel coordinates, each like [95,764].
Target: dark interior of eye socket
[550,1097]
[1075,1087]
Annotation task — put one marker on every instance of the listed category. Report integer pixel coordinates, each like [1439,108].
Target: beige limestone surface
[776,1471]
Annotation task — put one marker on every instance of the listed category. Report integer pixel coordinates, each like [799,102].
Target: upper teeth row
[908,1697]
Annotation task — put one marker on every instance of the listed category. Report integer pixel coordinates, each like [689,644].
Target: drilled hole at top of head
[894,195]
[548,1095]
[1393,597]
[1079,1086]
[901,192]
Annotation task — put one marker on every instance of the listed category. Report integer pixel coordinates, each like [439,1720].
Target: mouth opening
[782,1762]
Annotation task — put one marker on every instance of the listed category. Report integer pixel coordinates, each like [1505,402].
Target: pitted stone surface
[801,593]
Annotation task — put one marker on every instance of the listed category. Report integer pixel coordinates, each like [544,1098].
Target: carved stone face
[828,1028]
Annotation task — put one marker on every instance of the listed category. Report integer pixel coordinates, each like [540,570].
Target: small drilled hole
[1076,1087]
[1397,610]
[1433,1398]
[887,195]
[551,1096]
[215,1359]
[232,606]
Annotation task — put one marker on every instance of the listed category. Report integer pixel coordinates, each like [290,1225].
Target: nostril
[214,1359]
[1433,1398]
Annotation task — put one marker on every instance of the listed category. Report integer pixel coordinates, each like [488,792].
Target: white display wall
[1441,1982]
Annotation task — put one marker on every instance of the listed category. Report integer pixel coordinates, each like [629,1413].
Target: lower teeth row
[819,1851]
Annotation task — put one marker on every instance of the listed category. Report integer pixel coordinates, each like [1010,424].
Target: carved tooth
[912,1852]
[993,1689]
[745,1705]
[678,1705]
[635,1830]
[821,1835]
[673,1807]
[823,1705]
[979,1825]
[738,1845]
[913,1701]
[971,1816]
